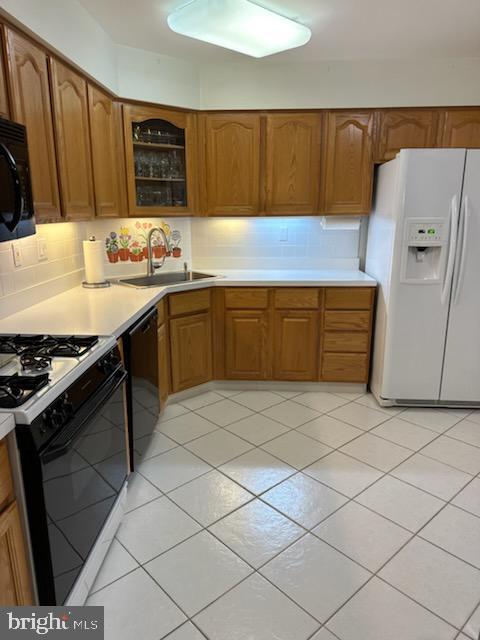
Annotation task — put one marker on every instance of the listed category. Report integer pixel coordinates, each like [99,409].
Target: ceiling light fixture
[240,25]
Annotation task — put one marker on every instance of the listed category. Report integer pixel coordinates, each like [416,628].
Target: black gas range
[67,394]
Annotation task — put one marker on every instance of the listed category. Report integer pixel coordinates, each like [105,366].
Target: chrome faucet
[150,267]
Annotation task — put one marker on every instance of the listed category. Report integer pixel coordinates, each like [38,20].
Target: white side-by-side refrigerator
[424,250]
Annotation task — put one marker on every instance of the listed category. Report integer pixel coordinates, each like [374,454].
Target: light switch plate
[17,254]
[42,253]
[283,234]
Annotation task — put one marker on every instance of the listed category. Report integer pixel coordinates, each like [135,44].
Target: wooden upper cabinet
[73,141]
[160,151]
[107,154]
[348,163]
[4,107]
[460,128]
[232,164]
[405,129]
[292,163]
[30,95]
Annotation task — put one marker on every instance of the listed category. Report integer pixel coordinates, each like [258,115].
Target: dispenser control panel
[423,233]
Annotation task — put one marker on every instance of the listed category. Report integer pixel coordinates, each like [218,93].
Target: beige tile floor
[266,515]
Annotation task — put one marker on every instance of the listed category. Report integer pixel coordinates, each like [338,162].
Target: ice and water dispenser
[423,250]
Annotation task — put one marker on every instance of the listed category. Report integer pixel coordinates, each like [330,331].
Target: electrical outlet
[283,234]
[42,253]
[17,254]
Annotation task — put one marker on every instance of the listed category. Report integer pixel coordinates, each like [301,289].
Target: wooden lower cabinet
[295,352]
[163,366]
[15,588]
[191,350]
[15,583]
[288,333]
[246,347]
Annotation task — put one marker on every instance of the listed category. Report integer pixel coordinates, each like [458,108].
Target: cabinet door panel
[348,163]
[232,152]
[345,367]
[191,351]
[15,587]
[163,366]
[160,155]
[73,141]
[296,345]
[292,163]
[108,159]
[246,348]
[4,107]
[405,129]
[461,128]
[31,107]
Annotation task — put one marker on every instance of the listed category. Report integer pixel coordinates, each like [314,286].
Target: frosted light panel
[239,25]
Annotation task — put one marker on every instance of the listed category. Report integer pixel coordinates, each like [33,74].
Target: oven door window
[80,488]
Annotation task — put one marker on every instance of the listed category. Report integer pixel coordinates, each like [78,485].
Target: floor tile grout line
[348,499]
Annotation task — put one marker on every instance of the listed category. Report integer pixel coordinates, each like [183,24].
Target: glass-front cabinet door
[160,146]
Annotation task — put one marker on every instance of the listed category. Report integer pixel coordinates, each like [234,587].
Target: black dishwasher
[141,354]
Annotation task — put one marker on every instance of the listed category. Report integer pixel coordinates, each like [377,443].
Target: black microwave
[17,218]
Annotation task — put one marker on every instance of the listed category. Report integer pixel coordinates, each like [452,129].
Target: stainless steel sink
[162,279]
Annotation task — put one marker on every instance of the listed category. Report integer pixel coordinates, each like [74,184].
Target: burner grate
[46,345]
[16,389]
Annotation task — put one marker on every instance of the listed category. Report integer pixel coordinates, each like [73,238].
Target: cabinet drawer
[347,320]
[246,298]
[345,367]
[349,297]
[6,489]
[344,341]
[296,298]
[160,313]
[189,302]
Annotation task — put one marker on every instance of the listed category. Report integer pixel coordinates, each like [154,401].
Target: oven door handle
[59,446]
[18,207]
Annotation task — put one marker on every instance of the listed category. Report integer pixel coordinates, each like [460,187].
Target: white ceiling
[341,29]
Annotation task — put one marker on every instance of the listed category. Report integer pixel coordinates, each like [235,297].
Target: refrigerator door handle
[447,283]
[461,269]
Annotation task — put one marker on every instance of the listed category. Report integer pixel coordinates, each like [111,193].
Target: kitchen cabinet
[163,366]
[4,104]
[460,128]
[15,582]
[348,169]
[108,159]
[292,163]
[191,350]
[405,129]
[296,351]
[69,90]
[247,353]
[347,329]
[31,106]
[160,151]
[231,175]
[190,329]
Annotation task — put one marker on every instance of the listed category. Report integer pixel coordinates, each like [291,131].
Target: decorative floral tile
[128,243]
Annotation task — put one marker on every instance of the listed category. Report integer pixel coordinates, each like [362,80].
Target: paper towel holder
[95,285]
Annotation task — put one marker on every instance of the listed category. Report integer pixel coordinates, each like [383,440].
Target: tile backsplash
[273,243]
[52,260]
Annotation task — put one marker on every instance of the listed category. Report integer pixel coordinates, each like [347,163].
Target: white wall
[69,28]
[366,83]
[143,75]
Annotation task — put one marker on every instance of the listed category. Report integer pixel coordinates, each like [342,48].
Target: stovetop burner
[32,362]
[45,346]
[15,390]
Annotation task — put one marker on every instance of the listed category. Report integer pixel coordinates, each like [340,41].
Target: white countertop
[111,311]
[7,424]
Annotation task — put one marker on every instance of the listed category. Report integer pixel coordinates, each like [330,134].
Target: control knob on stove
[66,407]
[54,418]
[109,363]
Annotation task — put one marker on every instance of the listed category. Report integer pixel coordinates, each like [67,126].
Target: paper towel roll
[94,256]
